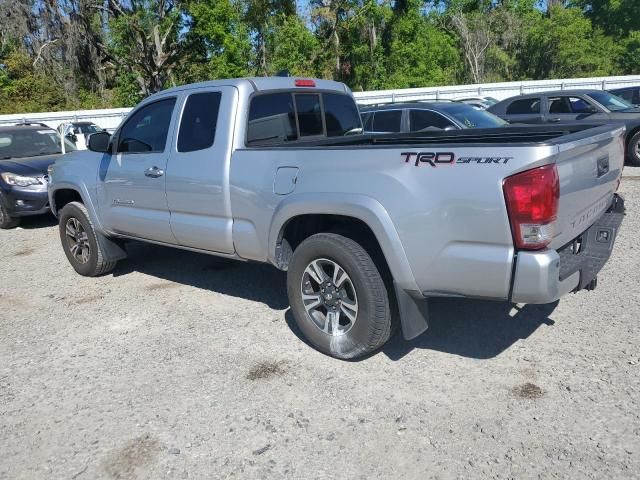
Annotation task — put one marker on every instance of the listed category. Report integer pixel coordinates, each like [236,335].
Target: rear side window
[309,114]
[199,119]
[146,131]
[387,121]
[423,119]
[272,119]
[579,105]
[366,120]
[525,106]
[341,115]
[627,94]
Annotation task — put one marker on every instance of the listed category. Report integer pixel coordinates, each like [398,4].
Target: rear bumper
[22,202]
[544,277]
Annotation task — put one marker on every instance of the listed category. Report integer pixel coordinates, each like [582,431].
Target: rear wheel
[338,297]
[633,150]
[79,242]
[6,221]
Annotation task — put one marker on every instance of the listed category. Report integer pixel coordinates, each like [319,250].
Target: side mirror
[99,142]
[448,128]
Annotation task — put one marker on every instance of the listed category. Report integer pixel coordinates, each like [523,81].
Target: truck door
[131,187]
[198,171]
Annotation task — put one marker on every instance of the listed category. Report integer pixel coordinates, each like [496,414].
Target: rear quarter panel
[451,220]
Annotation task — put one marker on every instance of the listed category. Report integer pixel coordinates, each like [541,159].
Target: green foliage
[22,89]
[293,47]
[219,39]
[564,45]
[419,54]
[630,58]
[77,54]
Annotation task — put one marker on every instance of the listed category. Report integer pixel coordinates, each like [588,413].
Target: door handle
[554,119]
[154,172]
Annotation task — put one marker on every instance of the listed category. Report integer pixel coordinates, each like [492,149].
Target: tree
[218,40]
[144,42]
[419,53]
[293,47]
[564,45]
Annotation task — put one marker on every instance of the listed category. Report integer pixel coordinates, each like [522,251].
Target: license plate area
[589,252]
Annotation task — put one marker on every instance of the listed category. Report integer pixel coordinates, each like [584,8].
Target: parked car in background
[25,153]
[575,105]
[78,132]
[479,102]
[423,116]
[630,94]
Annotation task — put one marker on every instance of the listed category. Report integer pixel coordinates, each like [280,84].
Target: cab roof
[264,83]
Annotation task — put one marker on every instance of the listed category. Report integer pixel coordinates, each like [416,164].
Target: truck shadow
[257,282]
[38,221]
[469,328]
[479,329]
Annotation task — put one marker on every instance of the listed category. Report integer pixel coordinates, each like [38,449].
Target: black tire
[6,221]
[633,150]
[96,264]
[372,326]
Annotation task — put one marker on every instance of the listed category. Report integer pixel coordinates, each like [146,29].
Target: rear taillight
[532,203]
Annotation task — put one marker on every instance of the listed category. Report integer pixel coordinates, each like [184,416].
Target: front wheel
[80,243]
[633,150]
[338,297]
[6,221]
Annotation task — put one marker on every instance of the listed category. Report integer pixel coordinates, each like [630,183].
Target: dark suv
[26,151]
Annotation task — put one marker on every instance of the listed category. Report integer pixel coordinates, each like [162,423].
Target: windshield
[471,117]
[31,143]
[611,102]
[89,129]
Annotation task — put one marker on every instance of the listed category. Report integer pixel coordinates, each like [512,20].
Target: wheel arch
[321,211]
[64,193]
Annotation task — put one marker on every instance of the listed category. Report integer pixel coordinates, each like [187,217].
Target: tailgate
[589,169]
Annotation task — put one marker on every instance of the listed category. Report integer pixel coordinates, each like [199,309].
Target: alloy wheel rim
[77,240]
[329,297]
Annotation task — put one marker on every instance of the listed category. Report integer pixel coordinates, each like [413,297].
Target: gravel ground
[180,365]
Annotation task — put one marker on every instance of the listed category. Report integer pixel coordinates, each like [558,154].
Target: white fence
[108,118]
[111,118]
[497,90]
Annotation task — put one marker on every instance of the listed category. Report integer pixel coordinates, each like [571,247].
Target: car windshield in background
[30,143]
[471,117]
[611,102]
[89,129]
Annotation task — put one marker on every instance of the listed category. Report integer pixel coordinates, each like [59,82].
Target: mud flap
[113,250]
[414,313]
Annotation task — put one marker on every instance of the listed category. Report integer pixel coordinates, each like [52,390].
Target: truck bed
[516,134]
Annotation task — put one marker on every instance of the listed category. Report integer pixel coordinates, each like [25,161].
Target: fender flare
[360,207]
[83,191]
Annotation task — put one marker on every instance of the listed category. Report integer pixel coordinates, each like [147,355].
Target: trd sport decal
[441,159]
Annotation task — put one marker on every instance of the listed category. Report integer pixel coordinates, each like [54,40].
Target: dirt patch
[85,300]
[528,390]
[160,286]
[7,301]
[264,370]
[24,252]
[141,451]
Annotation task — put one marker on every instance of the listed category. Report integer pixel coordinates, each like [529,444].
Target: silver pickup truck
[368,227]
